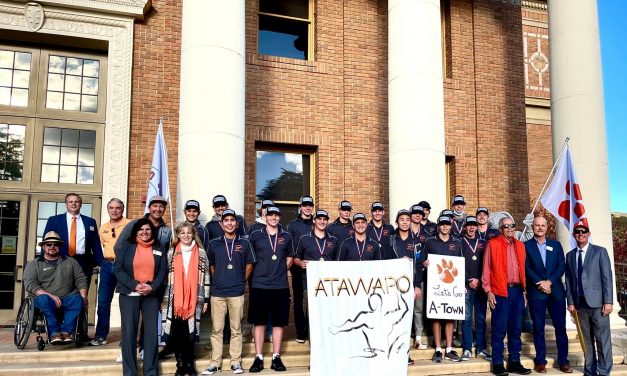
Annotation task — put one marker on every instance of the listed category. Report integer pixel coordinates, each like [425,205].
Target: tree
[288,186]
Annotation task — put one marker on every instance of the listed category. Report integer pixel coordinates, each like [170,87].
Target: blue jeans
[507,320]
[475,301]
[557,310]
[106,288]
[72,306]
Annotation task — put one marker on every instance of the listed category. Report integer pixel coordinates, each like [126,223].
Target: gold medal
[474,258]
[321,259]
[274,257]
[229,266]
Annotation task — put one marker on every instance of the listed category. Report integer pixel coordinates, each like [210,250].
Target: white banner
[360,316]
[446,290]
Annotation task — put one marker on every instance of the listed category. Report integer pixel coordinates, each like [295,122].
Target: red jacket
[498,264]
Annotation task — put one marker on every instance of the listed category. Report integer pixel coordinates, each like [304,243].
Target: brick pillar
[416,104]
[212,130]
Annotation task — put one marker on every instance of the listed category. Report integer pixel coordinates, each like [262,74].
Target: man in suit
[79,234]
[544,268]
[590,293]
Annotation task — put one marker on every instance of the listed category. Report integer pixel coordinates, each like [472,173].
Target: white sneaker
[237,369]
[419,345]
[119,359]
[466,355]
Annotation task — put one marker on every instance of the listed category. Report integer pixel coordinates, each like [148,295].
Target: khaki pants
[219,307]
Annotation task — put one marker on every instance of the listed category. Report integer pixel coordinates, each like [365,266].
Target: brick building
[398,101]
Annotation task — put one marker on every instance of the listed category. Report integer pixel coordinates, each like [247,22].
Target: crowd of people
[168,279]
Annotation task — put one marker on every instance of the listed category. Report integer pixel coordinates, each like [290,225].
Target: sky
[612,20]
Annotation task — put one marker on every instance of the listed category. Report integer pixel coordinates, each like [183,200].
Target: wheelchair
[30,319]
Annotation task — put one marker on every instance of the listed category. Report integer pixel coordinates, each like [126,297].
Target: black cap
[228,213]
[359,216]
[376,206]
[306,200]
[346,205]
[321,213]
[273,210]
[192,204]
[444,219]
[219,200]
[403,212]
[482,209]
[448,213]
[266,203]
[425,205]
[471,220]
[417,209]
[459,199]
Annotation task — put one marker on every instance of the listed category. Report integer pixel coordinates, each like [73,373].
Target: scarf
[185,287]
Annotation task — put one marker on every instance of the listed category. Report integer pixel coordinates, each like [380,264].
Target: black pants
[130,308]
[181,341]
[297,293]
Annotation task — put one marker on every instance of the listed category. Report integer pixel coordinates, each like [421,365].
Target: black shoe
[410,361]
[257,365]
[165,353]
[437,357]
[277,364]
[499,370]
[191,368]
[180,365]
[517,367]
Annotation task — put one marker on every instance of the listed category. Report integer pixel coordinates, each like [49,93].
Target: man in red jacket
[503,280]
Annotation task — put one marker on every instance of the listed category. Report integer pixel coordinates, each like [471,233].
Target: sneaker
[119,359]
[237,369]
[257,365]
[437,357]
[484,354]
[98,341]
[277,364]
[211,370]
[466,355]
[410,361]
[418,345]
[300,340]
[56,339]
[453,357]
[67,338]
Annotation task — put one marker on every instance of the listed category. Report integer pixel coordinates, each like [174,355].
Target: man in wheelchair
[55,282]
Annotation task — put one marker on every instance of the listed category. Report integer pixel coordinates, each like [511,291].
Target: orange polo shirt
[106,236]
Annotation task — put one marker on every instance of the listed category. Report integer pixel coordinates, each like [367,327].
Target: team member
[109,234]
[476,299]
[231,258]
[298,227]
[260,222]
[378,230]
[459,216]
[56,282]
[163,232]
[79,234]
[192,213]
[503,280]
[141,270]
[443,243]
[417,231]
[430,227]
[590,293]
[544,268]
[213,226]
[419,235]
[359,247]
[342,227]
[269,293]
[484,231]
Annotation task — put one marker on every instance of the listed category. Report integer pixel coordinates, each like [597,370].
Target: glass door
[13,219]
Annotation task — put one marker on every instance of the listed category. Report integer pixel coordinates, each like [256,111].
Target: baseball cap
[306,200]
[266,203]
[273,210]
[444,219]
[471,220]
[160,199]
[447,212]
[459,199]
[192,204]
[321,213]
[583,223]
[359,216]
[346,205]
[417,209]
[425,205]
[403,212]
[219,200]
[229,213]
[482,209]
[376,206]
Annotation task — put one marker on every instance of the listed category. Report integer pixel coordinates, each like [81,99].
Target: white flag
[563,198]
[159,183]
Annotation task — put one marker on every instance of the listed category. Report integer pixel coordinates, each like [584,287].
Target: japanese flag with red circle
[563,197]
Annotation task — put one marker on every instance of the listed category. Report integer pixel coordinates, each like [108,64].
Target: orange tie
[72,245]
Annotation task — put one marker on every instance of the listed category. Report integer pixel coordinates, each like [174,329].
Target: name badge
[45,269]
[158,253]
[91,228]
[549,248]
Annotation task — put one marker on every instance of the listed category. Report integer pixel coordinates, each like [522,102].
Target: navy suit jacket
[93,249]
[598,288]
[553,271]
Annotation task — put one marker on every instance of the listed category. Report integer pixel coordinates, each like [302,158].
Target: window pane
[6,59]
[88,139]
[69,156]
[89,103]
[90,85]
[70,137]
[86,209]
[72,102]
[292,8]
[22,60]
[91,68]
[67,174]
[74,66]
[50,173]
[280,176]
[56,64]
[54,100]
[5,77]
[55,82]
[17,133]
[281,37]
[72,84]
[85,175]
[86,157]
[20,79]
[5,95]
[52,136]
[46,210]
[19,97]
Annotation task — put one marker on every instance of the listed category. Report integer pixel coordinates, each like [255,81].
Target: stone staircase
[101,360]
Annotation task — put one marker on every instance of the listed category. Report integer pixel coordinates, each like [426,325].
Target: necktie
[72,245]
[579,272]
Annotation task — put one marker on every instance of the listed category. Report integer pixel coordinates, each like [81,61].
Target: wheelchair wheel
[24,323]
[81,329]
[41,344]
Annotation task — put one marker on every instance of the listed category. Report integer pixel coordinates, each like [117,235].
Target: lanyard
[457,227]
[229,253]
[377,234]
[473,249]
[273,245]
[321,250]
[361,252]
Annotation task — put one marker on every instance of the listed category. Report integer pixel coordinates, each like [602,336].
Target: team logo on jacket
[451,247]
[369,248]
[280,241]
[330,245]
[410,248]
[386,232]
[422,238]
[238,247]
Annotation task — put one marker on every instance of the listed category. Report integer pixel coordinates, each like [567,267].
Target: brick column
[416,104]
[211,130]
[577,112]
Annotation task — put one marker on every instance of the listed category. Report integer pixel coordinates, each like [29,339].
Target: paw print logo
[446,271]
[564,207]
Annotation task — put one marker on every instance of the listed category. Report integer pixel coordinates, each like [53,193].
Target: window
[286,28]
[72,84]
[15,69]
[12,139]
[68,156]
[283,176]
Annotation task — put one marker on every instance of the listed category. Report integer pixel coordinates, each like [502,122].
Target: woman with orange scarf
[187,296]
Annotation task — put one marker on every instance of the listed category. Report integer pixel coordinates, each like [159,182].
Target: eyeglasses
[51,244]
[113,232]
[580,232]
[509,225]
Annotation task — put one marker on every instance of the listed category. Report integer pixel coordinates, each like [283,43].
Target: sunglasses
[51,244]
[510,225]
[579,232]
[113,232]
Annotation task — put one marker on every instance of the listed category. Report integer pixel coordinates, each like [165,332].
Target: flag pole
[169,196]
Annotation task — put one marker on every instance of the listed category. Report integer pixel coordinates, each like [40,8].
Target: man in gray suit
[589,292]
